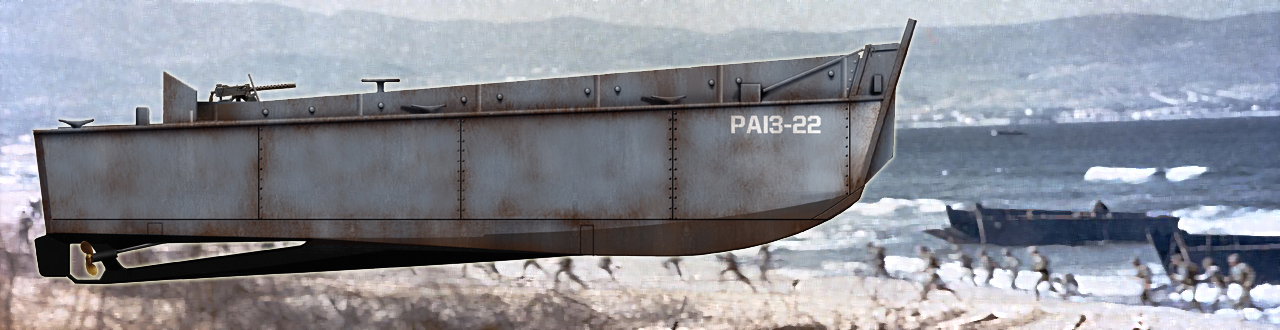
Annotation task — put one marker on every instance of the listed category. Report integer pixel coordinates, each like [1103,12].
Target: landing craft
[1260,252]
[1026,227]
[671,162]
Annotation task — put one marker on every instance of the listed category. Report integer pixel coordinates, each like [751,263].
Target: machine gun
[242,93]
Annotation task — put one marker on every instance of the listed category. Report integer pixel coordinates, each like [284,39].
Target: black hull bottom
[313,256]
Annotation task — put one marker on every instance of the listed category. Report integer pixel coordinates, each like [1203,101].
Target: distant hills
[83,60]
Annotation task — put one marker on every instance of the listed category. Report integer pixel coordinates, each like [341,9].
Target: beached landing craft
[1023,227]
[656,163]
[1262,253]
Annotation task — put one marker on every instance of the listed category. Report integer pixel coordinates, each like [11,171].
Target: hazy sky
[815,16]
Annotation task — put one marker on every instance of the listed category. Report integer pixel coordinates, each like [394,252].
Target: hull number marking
[774,124]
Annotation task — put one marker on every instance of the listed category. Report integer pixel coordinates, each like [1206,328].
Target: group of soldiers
[566,267]
[933,282]
[606,263]
[1187,276]
[731,266]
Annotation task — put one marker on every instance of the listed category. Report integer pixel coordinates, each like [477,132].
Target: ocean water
[1219,176]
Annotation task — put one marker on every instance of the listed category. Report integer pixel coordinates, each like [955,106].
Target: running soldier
[674,261]
[1243,275]
[766,259]
[531,262]
[488,267]
[1040,265]
[1213,276]
[1012,264]
[1144,277]
[931,279]
[566,267]
[876,254]
[606,263]
[987,265]
[1069,286]
[931,264]
[1186,280]
[966,264]
[933,283]
[731,265]
[25,221]
[1175,261]
[492,269]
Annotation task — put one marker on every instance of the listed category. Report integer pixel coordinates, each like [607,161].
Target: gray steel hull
[669,162]
[462,182]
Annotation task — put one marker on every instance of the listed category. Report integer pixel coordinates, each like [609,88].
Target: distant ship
[1024,227]
[1006,132]
[1260,252]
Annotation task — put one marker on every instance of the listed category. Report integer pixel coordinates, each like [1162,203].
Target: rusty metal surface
[372,170]
[353,119]
[879,60]
[862,124]
[179,101]
[697,85]
[354,229]
[885,124]
[884,145]
[557,93]
[325,106]
[604,165]
[190,174]
[205,112]
[450,97]
[722,172]
[814,86]
[554,148]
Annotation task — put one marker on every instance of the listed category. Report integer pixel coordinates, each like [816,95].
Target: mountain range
[76,59]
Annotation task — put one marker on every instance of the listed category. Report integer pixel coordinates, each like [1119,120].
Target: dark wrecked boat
[1025,227]
[632,163]
[1262,253]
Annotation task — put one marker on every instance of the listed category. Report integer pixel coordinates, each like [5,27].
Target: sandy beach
[644,296]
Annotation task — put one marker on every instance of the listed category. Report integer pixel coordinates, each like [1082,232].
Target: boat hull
[1262,253]
[1052,228]
[668,162]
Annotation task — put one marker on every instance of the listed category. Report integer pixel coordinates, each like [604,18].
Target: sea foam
[1141,175]
[888,206]
[1184,173]
[1119,174]
[1218,219]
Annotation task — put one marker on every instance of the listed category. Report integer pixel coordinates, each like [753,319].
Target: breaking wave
[1142,175]
[1119,174]
[889,206]
[1227,220]
[1184,173]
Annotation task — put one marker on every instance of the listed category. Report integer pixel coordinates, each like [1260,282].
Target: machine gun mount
[242,93]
